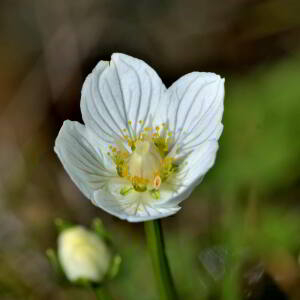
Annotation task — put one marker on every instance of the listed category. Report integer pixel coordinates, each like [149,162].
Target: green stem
[160,264]
[102,293]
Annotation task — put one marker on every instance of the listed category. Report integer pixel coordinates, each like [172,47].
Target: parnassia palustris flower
[143,148]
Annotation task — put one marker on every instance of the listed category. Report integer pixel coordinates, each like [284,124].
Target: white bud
[83,255]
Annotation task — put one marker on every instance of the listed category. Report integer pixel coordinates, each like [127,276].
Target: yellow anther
[130,123]
[125,172]
[156,182]
[139,184]
[122,167]
[157,128]
[148,129]
[124,154]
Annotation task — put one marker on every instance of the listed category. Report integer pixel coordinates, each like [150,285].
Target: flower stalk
[160,264]
[102,293]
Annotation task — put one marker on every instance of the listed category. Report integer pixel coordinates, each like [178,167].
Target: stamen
[168,167]
[155,194]
[126,190]
[157,182]
[122,169]
[151,144]
[139,184]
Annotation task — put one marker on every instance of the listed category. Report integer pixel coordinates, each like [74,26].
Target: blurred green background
[238,236]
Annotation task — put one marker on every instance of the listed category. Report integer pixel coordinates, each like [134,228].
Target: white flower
[83,255]
[143,148]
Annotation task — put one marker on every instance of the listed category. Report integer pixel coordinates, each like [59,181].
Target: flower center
[147,165]
[144,162]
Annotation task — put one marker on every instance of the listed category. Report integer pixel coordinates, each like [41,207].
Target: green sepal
[55,263]
[114,267]
[62,224]
[85,283]
[98,227]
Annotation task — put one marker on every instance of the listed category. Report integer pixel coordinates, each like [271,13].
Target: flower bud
[83,254]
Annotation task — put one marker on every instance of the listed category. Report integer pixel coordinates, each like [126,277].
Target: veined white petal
[134,207]
[195,166]
[199,162]
[195,110]
[116,92]
[81,154]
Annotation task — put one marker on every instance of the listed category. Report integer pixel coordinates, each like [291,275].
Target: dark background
[238,236]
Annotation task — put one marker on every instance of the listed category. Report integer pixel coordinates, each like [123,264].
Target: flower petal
[200,161]
[195,166]
[83,158]
[194,114]
[115,93]
[134,207]
[195,110]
